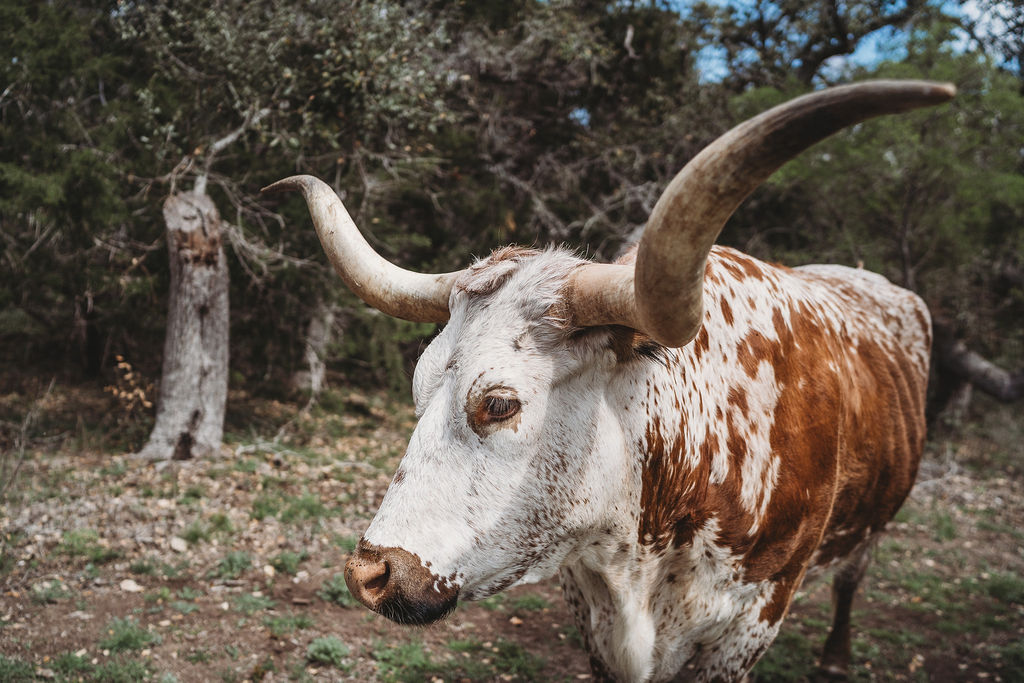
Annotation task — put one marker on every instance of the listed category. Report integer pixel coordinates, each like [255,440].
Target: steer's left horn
[663,295]
[420,297]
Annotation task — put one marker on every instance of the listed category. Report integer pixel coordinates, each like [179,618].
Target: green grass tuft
[127,634]
[287,562]
[281,626]
[327,650]
[249,603]
[12,669]
[232,565]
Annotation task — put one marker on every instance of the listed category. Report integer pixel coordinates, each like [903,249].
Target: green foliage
[1006,587]
[529,603]
[413,662]
[287,562]
[407,662]
[250,603]
[232,565]
[327,650]
[196,532]
[142,566]
[71,665]
[121,670]
[305,507]
[285,624]
[12,669]
[451,128]
[86,543]
[126,634]
[220,523]
[49,592]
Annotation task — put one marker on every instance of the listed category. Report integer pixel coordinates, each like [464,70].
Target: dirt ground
[113,569]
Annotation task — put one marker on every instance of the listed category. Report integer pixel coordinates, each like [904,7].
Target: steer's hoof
[831,674]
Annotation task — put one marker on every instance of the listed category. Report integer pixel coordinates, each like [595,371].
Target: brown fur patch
[847,443]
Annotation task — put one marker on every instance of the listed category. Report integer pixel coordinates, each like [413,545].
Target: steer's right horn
[663,295]
[420,297]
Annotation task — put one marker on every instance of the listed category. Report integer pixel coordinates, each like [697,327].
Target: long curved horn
[420,297]
[663,295]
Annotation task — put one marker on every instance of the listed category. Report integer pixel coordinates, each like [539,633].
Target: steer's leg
[835,660]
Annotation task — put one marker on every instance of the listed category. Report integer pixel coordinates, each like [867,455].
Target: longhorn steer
[682,435]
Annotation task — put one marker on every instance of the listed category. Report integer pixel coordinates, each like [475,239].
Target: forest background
[451,128]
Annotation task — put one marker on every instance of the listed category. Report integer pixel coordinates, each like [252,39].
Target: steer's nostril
[367,579]
[377,583]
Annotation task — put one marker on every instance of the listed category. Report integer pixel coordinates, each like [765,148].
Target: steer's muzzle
[394,583]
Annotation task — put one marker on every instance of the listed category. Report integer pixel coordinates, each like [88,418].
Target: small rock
[178,545]
[130,586]
[515,621]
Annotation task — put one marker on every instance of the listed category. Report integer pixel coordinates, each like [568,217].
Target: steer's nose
[367,578]
[394,583]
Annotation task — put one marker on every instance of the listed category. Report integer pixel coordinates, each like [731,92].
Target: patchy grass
[308,506]
[285,624]
[86,543]
[251,603]
[72,666]
[220,523]
[329,651]
[196,533]
[530,602]
[943,599]
[473,660]
[126,634]
[50,592]
[232,565]
[288,562]
[121,670]
[199,655]
[1004,587]
[13,669]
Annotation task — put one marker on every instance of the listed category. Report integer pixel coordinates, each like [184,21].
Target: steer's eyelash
[498,408]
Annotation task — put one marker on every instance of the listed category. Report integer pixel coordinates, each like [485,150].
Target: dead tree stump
[194,383]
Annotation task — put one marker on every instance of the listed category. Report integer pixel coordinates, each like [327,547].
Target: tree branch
[953,355]
[218,146]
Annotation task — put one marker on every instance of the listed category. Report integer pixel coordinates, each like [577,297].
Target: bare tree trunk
[193,388]
[318,337]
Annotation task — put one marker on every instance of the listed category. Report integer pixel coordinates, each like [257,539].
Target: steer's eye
[498,408]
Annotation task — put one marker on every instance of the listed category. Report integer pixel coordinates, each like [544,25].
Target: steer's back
[848,353]
[884,343]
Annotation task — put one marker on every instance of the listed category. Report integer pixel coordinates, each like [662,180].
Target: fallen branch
[953,355]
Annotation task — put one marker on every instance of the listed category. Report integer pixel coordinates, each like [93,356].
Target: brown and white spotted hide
[682,494]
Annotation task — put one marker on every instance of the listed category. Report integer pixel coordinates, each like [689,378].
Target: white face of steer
[516,455]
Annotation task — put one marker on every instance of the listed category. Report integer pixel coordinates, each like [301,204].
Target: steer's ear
[631,345]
